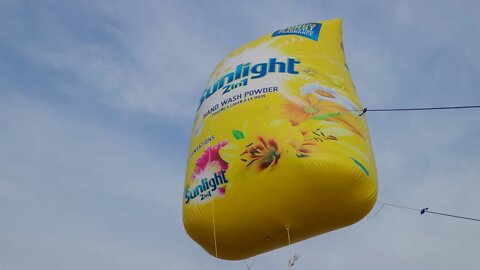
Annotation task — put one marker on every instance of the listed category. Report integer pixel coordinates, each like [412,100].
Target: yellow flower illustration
[299,112]
[323,137]
[312,138]
[261,147]
[264,152]
[311,107]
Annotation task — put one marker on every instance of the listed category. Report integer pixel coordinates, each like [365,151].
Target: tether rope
[419,109]
[421,211]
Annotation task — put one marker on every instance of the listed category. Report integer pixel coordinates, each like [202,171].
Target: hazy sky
[97,100]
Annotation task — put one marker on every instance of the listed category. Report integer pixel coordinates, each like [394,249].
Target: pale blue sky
[97,99]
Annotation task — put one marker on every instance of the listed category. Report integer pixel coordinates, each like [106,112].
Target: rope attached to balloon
[421,211]
[419,109]
[291,261]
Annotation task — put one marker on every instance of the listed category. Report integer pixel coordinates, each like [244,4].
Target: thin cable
[291,261]
[422,211]
[401,206]
[195,256]
[214,230]
[419,109]
[288,234]
[448,215]
[213,208]
[378,211]
[249,266]
[424,108]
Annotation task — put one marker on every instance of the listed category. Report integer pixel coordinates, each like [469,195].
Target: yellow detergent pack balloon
[278,150]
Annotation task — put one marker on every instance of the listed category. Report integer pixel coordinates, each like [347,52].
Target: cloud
[126,55]
[77,193]
[97,99]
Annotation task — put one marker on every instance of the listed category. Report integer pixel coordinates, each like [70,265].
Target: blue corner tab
[308,30]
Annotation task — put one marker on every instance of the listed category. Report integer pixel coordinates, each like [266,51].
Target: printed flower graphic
[264,152]
[210,162]
[312,107]
[208,178]
[324,93]
[308,108]
[261,147]
[329,137]
[312,140]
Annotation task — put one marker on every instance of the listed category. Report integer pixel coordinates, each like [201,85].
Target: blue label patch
[308,30]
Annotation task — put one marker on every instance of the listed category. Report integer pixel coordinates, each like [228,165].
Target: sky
[97,101]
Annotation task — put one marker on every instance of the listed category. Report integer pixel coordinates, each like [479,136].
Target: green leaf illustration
[325,116]
[360,165]
[238,134]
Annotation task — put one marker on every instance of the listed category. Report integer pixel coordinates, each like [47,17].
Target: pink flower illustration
[221,191]
[210,161]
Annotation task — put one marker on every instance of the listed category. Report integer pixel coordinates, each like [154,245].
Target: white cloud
[77,191]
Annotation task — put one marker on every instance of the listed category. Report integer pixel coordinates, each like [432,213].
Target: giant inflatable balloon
[278,150]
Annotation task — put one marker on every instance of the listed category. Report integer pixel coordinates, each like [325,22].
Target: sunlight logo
[243,72]
[206,187]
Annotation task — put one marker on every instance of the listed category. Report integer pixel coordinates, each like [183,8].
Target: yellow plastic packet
[278,150]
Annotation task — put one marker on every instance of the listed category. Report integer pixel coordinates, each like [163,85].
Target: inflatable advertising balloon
[278,150]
